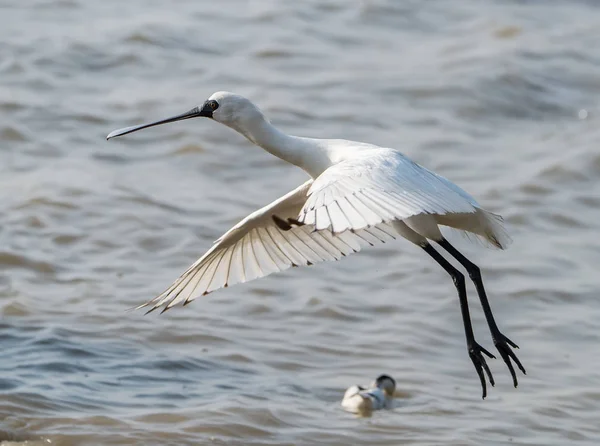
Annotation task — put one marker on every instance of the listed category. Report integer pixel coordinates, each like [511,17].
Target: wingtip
[165,309]
[150,310]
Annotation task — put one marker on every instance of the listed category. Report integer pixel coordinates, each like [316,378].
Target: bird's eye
[213,105]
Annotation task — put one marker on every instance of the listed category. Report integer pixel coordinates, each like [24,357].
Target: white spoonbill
[357,194]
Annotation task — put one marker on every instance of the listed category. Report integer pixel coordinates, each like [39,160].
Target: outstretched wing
[267,241]
[376,187]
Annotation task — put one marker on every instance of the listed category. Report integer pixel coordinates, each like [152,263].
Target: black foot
[475,353]
[502,343]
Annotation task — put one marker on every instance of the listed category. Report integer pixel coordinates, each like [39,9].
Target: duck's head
[387,384]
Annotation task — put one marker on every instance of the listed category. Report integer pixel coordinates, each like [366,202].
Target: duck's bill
[193,113]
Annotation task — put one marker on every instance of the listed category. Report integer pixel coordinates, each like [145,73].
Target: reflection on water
[489,95]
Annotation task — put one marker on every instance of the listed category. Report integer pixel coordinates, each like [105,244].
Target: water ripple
[501,98]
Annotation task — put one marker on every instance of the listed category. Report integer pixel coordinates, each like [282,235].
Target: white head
[231,109]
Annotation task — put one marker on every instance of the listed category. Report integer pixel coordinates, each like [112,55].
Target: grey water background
[500,97]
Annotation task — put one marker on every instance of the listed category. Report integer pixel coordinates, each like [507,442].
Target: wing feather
[377,187]
[257,247]
[349,206]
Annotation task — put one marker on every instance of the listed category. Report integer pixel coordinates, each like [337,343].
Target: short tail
[495,232]
[482,226]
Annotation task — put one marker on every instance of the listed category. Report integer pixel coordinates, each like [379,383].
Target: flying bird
[358,194]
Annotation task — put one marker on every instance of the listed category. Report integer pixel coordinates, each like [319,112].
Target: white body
[364,401]
[358,194]
[379,395]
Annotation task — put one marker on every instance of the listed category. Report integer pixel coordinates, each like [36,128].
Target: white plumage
[383,185]
[257,247]
[359,194]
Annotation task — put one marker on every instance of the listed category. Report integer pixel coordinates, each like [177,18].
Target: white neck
[306,153]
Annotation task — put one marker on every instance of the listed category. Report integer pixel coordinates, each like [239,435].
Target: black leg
[501,342]
[475,350]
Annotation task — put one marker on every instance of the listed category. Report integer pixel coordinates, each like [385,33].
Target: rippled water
[501,97]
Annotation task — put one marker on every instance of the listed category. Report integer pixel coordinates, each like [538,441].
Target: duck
[365,400]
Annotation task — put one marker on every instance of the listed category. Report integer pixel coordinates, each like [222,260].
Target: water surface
[489,95]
